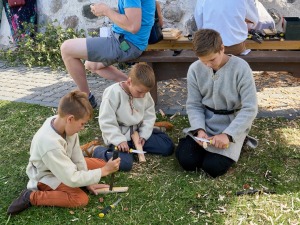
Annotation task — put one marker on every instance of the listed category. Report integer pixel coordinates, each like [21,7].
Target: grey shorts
[107,50]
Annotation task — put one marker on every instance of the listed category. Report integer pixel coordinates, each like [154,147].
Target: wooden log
[135,138]
[114,190]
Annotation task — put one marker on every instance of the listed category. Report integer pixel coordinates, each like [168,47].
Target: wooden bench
[166,66]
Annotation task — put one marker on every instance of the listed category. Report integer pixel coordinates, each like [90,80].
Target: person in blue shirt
[127,40]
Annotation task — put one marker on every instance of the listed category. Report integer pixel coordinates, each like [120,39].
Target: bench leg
[153,93]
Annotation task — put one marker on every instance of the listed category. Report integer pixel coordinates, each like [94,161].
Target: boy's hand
[110,167]
[220,141]
[201,134]
[142,141]
[123,146]
[93,187]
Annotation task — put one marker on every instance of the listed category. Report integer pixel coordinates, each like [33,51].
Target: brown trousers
[63,195]
[235,49]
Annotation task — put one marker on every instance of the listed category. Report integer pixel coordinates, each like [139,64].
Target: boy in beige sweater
[127,107]
[57,168]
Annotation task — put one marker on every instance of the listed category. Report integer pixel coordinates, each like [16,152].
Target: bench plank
[184,43]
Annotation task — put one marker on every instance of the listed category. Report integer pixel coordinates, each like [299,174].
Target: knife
[107,208]
[203,139]
[131,150]
[206,140]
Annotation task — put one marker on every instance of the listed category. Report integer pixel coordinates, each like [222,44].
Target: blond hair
[207,41]
[75,103]
[142,74]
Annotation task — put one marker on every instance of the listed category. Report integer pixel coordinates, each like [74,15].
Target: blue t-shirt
[140,39]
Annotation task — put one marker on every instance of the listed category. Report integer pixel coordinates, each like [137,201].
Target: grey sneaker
[92,101]
[21,203]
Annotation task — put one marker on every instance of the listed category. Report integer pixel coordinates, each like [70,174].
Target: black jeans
[192,156]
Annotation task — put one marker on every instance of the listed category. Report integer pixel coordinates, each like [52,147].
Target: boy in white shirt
[57,168]
[127,107]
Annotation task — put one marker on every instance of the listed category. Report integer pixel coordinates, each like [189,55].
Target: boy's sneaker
[92,100]
[21,203]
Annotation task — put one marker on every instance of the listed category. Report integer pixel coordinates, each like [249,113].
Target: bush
[40,48]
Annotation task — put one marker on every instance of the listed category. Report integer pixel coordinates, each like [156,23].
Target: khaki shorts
[235,49]
[107,51]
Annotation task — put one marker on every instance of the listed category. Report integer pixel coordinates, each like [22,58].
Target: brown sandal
[88,148]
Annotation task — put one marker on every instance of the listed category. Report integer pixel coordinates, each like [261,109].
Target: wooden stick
[114,190]
[135,138]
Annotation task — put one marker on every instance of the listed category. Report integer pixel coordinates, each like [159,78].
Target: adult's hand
[99,9]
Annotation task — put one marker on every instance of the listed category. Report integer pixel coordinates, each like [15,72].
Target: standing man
[129,38]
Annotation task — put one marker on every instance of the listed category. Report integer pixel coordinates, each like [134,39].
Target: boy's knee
[80,201]
[186,154]
[126,159]
[216,169]
[168,149]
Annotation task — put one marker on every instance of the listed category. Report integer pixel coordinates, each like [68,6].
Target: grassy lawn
[160,192]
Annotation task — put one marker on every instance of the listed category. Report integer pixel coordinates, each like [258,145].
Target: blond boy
[57,168]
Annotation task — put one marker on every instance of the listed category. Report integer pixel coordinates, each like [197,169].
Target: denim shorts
[107,50]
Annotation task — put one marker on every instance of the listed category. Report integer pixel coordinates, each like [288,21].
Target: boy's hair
[142,74]
[207,41]
[75,103]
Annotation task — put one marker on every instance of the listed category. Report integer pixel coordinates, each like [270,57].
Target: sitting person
[131,28]
[57,168]
[127,107]
[221,106]
[229,19]
[265,20]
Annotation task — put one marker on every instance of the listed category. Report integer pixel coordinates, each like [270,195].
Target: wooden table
[184,43]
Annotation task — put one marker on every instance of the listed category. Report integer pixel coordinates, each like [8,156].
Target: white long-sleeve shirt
[227,17]
[55,160]
[118,113]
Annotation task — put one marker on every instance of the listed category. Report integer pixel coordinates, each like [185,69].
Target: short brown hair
[75,103]
[142,73]
[207,41]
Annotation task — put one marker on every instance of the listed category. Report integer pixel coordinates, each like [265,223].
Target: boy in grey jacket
[221,106]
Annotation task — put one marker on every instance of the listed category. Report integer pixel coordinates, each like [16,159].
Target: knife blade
[203,140]
[131,150]
[137,151]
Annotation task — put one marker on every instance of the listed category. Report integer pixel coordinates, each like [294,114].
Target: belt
[222,111]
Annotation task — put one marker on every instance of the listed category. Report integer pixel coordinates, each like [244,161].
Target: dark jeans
[159,143]
[192,156]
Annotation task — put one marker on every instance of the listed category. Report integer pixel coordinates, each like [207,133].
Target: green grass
[160,192]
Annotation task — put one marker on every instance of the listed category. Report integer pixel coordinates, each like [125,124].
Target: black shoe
[21,203]
[92,100]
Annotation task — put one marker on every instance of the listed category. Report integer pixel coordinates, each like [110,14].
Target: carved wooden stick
[135,138]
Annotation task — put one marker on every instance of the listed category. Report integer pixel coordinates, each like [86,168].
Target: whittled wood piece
[114,190]
[135,138]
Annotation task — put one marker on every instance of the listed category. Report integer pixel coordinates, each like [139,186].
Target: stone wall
[176,13]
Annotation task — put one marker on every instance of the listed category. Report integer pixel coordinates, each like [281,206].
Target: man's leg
[108,72]
[72,52]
